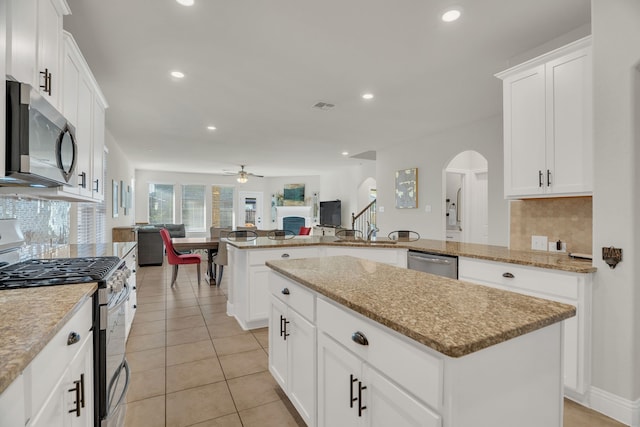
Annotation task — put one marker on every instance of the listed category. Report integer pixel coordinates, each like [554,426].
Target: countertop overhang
[453,317]
[554,261]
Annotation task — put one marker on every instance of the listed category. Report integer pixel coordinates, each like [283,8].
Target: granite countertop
[554,261]
[450,316]
[29,319]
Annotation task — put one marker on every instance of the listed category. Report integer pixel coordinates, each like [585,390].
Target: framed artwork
[407,188]
[123,195]
[294,195]
[114,194]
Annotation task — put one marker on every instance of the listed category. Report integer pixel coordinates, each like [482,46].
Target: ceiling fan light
[242,179]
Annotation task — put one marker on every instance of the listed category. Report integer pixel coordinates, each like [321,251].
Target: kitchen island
[417,349]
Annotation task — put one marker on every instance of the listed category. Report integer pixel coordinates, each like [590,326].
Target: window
[222,206]
[193,207]
[161,207]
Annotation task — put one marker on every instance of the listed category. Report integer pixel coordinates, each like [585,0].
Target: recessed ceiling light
[211,127]
[345,153]
[185,2]
[451,15]
[177,74]
[367,96]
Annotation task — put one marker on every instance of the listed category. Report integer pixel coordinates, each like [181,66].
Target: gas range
[56,271]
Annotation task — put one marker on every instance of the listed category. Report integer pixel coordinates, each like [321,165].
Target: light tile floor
[192,365]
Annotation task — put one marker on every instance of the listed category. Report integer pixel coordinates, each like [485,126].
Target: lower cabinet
[565,287]
[132,302]
[352,393]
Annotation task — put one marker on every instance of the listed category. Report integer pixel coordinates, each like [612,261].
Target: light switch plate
[539,243]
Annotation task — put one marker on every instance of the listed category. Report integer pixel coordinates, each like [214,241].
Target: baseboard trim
[616,407]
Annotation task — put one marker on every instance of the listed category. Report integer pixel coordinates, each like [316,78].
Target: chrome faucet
[372,230]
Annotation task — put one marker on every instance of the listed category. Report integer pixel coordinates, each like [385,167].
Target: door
[250,209]
[339,372]
[301,360]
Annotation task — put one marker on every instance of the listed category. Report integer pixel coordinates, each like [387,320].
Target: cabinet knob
[285,291]
[508,275]
[284,256]
[359,338]
[73,338]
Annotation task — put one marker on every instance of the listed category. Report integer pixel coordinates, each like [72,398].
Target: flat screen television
[331,213]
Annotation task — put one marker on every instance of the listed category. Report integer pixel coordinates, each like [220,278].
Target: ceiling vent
[323,106]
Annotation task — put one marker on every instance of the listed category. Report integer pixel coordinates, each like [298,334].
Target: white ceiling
[254,68]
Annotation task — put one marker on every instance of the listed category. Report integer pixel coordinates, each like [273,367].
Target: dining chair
[404,235]
[174,258]
[304,231]
[220,257]
[280,234]
[345,234]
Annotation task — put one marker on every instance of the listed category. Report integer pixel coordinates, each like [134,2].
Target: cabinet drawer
[416,370]
[49,365]
[259,257]
[537,280]
[298,298]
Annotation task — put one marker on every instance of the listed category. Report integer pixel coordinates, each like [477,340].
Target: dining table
[210,244]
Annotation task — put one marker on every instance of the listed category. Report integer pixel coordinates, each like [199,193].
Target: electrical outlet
[539,243]
[554,248]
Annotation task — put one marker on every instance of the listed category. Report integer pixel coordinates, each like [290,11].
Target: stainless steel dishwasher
[441,265]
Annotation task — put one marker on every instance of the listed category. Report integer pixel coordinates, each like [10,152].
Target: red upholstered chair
[176,258]
[304,231]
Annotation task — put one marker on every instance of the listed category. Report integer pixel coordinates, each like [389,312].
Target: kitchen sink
[368,242]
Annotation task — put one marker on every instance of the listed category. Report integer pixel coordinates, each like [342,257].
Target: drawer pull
[351,398]
[359,338]
[508,275]
[285,291]
[73,338]
[360,406]
[76,389]
[284,256]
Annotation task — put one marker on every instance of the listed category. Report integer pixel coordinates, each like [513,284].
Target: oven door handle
[127,371]
[124,296]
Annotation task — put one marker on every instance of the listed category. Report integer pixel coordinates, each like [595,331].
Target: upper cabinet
[84,107]
[548,148]
[34,44]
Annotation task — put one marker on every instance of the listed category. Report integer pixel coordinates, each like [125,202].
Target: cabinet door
[339,372]
[49,43]
[21,40]
[98,148]
[83,137]
[524,132]
[277,344]
[258,298]
[569,124]
[81,375]
[54,411]
[301,356]
[389,405]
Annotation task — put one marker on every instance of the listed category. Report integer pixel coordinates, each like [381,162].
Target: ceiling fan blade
[253,174]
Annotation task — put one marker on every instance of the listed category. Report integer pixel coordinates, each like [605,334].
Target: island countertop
[29,319]
[541,259]
[450,316]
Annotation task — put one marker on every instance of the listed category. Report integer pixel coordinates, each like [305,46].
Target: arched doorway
[466,196]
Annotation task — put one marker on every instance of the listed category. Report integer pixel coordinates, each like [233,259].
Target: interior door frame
[242,196]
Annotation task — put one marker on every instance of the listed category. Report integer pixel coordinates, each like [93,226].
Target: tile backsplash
[41,221]
[568,219]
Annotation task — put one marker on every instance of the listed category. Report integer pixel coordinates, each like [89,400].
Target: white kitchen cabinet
[397,257]
[248,298]
[22,21]
[132,303]
[49,48]
[84,106]
[547,107]
[565,287]
[12,405]
[292,344]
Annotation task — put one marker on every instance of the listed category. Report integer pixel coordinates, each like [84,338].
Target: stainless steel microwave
[41,146]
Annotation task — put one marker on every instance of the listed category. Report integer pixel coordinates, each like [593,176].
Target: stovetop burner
[56,271]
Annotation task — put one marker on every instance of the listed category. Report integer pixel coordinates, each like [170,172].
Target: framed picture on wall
[114,194]
[407,188]
[123,195]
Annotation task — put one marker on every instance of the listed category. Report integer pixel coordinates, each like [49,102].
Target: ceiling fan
[243,176]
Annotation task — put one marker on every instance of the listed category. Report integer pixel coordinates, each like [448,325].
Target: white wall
[431,154]
[119,169]
[616,296]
